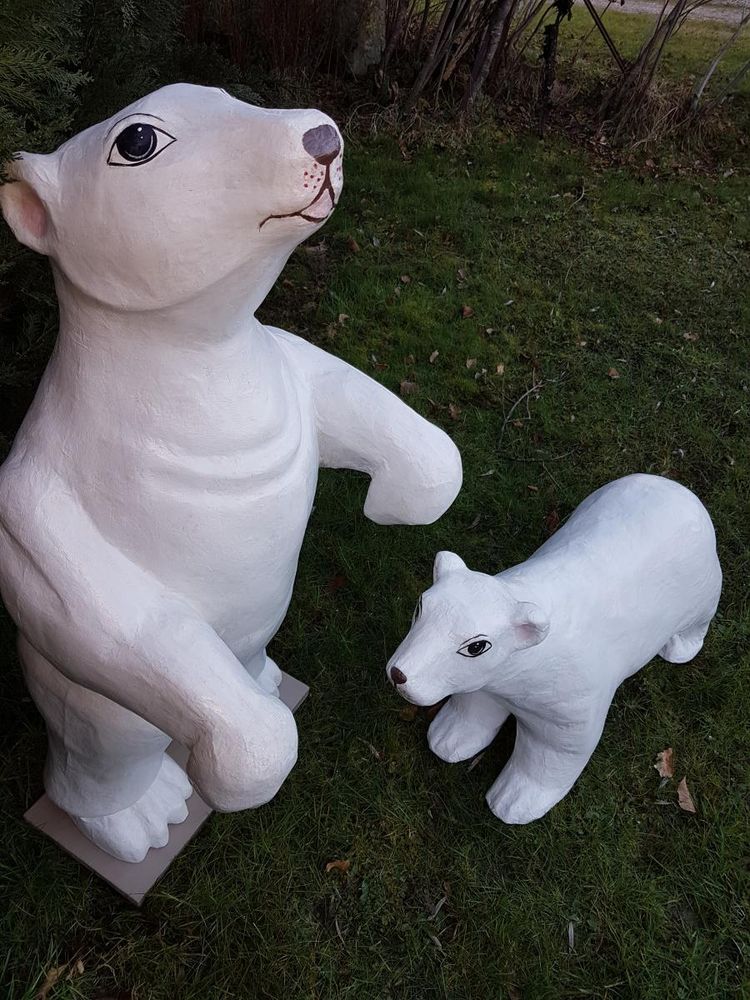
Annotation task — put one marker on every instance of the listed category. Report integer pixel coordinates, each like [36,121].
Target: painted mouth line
[302,213]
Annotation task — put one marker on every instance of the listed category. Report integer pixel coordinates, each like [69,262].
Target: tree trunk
[361,33]
[703,82]
[486,53]
[432,59]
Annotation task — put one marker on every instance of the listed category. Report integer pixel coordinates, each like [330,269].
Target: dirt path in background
[729,12]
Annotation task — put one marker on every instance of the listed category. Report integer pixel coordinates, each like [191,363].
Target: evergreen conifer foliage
[64,64]
[40,80]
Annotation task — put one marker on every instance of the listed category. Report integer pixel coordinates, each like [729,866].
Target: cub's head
[176,192]
[464,629]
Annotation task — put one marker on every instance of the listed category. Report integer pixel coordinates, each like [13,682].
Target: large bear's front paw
[242,762]
[464,726]
[418,488]
[129,833]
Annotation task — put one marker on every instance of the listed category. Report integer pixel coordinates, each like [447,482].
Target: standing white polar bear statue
[632,574]
[154,503]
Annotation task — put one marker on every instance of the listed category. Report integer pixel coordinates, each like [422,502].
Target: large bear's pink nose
[322,143]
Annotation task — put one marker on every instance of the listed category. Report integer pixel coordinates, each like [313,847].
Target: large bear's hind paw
[129,833]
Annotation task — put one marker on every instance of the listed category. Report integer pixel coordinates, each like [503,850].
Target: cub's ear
[446,562]
[530,625]
[24,199]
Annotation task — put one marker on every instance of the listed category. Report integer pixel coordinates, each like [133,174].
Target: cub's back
[634,565]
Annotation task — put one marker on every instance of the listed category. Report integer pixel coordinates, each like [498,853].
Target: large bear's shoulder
[305,357]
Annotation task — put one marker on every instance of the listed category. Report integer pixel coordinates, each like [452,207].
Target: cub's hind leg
[106,767]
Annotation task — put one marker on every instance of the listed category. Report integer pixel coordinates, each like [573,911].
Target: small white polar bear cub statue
[632,574]
[154,503]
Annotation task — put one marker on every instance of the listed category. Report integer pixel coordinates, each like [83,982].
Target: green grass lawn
[573,275]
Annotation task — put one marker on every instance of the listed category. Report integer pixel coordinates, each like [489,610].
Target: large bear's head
[175,194]
[464,630]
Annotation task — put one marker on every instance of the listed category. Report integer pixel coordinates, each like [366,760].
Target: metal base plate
[133,881]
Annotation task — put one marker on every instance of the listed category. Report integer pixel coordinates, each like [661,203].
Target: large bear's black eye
[138,143]
[475,647]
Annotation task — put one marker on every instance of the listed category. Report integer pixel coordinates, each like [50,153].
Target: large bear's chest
[212,497]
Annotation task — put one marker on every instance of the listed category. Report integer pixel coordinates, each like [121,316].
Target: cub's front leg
[547,760]
[466,724]
[415,467]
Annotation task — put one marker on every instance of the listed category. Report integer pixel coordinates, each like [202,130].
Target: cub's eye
[475,647]
[417,611]
[138,143]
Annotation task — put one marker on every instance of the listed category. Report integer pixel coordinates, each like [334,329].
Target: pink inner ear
[33,212]
[526,631]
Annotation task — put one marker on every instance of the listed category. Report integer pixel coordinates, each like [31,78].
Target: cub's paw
[129,833]
[464,726]
[516,801]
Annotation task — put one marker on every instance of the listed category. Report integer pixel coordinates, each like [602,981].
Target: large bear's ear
[446,562]
[530,625]
[24,199]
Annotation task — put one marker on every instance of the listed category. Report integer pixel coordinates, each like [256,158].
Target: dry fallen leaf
[408,713]
[77,969]
[690,336]
[432,710]
[467,311]
[353,245]
[500,369]
[336,583]
[338,866]
[343,317]
[684,798]
[471,362]
[613,373]
[52,976]
[665,763]
[454,411]
[407,388]
[531,488]
[552,522]
[433,356]
[406,279]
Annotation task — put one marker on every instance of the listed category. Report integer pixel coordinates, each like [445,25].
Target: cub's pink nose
[398,676]
[322,143]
